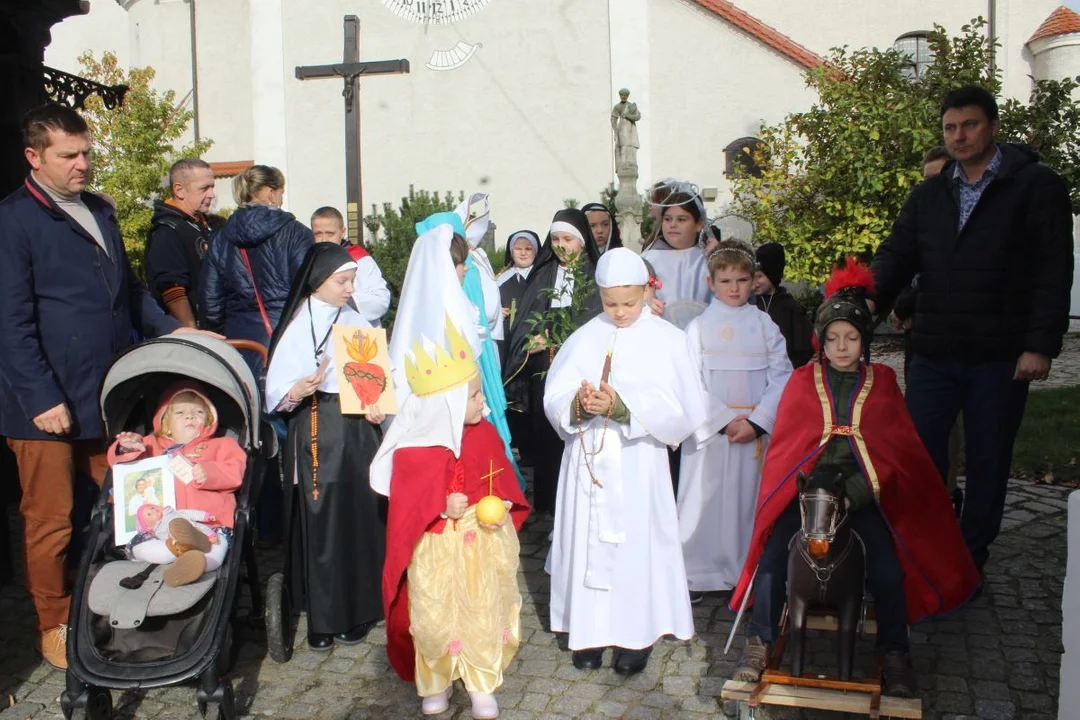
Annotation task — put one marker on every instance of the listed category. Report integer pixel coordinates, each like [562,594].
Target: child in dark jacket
[784,309]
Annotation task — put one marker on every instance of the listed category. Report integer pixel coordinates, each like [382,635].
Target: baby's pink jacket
[222,459]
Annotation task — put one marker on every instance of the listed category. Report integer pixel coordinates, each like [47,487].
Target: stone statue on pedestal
[624,118]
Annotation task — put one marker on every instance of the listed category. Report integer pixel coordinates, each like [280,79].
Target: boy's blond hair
[732,253]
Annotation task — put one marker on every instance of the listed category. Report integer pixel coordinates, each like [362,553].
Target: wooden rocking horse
[826,566]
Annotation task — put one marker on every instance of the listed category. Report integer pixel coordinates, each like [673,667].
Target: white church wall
[105,27]
[526,119]
[159,37]
[711,84]
[223,53]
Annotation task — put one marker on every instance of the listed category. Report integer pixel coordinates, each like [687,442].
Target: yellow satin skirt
[464,605]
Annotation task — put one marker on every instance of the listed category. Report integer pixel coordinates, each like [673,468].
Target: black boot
[628,662]
[354,636]
[897,676]
[588,659]
[320,641]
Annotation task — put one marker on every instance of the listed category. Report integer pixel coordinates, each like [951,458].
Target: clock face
[438,12]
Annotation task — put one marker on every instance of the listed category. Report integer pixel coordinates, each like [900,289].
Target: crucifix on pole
[350,70]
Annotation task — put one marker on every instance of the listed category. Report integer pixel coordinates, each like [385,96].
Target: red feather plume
[853,274]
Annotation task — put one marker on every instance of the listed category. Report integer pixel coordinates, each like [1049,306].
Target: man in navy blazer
[69,303]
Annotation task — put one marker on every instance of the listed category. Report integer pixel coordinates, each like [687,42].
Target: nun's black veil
[615,239]
[542,277]
[321,261]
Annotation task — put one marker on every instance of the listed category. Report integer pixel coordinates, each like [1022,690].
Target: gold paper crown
[448,369]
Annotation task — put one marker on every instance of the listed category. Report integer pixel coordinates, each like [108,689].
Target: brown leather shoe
[188,568]
[755,658]
[53,646]
[186,534]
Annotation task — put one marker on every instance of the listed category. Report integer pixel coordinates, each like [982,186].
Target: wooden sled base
[819,692]
[821,698]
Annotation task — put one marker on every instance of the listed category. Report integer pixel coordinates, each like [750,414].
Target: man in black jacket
[178,237]
[991,240]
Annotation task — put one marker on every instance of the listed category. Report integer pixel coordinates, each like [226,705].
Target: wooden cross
[350,70]
[492,472]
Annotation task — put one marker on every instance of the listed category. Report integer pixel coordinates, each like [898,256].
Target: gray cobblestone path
[997,658]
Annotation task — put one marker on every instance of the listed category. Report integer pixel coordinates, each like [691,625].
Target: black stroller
[189,636]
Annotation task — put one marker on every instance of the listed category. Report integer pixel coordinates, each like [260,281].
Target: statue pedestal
[628,208]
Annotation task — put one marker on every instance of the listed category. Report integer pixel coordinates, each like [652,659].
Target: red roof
[765,33]
[1062,21]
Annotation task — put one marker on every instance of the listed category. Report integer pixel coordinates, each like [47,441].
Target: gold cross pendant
[315,494]
[492,472]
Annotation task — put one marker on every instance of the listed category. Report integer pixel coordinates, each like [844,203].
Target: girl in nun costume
[450,588]
[521,251]
[617,574]
[528,357]
[335,524]
[437,278]
[604,226]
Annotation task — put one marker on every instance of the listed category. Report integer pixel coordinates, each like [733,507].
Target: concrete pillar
[269,132]
[628,29]
[1069,694]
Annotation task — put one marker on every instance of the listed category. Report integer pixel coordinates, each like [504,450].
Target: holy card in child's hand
[362,365]
[182,468]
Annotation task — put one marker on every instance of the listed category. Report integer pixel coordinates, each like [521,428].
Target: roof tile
[1062,21]
[763,32]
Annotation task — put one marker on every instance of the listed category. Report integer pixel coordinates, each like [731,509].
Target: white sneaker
[484,707]
[436,704]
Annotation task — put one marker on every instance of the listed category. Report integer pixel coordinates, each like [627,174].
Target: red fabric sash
[940,575]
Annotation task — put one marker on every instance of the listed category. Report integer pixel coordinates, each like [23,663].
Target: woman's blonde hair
[249,183]
[187,396]
[732,253]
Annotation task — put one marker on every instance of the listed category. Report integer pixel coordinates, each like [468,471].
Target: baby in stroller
[207,471]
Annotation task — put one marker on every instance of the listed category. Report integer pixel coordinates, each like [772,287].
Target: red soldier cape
[421,479]
[940,575]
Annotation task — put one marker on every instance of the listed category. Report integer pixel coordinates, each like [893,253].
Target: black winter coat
[999,287]
[790,317]
[276,243]
[175,246]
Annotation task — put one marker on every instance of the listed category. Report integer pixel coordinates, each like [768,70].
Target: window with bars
[917,53]
[742,157]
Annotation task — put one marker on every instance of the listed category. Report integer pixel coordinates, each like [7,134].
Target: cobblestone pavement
[998,658]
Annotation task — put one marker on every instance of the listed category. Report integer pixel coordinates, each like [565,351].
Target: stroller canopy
[198,357]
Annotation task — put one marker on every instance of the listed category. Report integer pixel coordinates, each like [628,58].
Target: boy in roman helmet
[844,411]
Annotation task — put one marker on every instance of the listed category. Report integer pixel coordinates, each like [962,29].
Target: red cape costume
[940,575]
[421,479]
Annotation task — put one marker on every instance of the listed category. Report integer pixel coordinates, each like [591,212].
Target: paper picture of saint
[362,365]
[146,482]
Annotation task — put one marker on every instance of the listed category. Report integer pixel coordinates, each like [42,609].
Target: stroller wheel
[223,704]
[98,706]
[279,619]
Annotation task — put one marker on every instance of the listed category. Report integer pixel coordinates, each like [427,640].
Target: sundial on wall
[440,12]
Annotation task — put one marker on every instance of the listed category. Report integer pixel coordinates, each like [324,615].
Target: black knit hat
[845,299]
[771,261]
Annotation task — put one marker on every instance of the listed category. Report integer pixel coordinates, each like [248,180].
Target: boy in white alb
[617,575]
[742,359]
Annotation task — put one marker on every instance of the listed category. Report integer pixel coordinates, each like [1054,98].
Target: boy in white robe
[617,576]
[742,358]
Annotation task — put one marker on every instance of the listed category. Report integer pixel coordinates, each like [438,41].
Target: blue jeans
[884,577]
[993,406]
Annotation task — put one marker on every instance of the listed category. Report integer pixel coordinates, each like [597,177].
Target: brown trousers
[47,475]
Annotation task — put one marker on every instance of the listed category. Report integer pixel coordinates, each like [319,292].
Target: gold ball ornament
[490,510]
